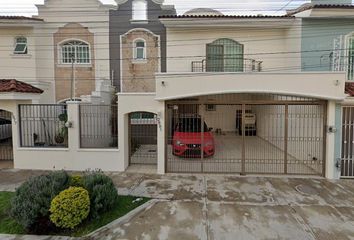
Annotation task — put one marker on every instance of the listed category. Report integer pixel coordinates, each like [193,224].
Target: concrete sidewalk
[228,207]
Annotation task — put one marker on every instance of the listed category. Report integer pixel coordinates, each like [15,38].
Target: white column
[330,141]
[123,139]
[74,130]
[161,139]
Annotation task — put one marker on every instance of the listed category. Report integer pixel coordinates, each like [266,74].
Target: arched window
[224,55]
[139,49]
[139,10]
[75,51]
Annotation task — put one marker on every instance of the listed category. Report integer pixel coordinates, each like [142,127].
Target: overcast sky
[26,7]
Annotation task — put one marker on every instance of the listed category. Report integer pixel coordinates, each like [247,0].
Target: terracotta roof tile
[225,16]
[19,18]
[12,85]
[309,6]
[349,89]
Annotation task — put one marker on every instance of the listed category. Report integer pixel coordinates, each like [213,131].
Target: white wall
[140,102]
[71,158]
[21,67]
[223,118]
[181,85]
[189,44]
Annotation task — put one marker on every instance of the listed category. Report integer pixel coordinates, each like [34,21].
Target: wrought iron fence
[249,65]
[43,125]
[98,126]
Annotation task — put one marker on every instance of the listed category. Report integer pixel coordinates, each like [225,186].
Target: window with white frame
[21,45]
[139,10]
[75,51]
[139,50]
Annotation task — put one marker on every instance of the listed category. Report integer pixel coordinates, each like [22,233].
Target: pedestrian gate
[143,138]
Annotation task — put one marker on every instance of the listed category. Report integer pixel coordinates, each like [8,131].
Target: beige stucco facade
[139,75]
[83,75]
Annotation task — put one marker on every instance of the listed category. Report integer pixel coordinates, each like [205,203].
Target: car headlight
[179,143]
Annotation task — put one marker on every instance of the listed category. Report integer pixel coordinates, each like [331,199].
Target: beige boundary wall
[78,159]
[74,158]
[71,158]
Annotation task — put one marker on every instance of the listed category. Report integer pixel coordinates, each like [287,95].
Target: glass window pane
[148,115]
[140,44]
[79,50]
[20,48]
[140,53]
[21,40]
[135,115]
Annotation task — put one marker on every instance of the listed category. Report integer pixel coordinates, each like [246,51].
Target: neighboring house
[328,45]
[201,92]
[45,46]
[19,51]
[138,44]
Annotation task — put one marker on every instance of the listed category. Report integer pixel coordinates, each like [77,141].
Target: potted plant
[62,135]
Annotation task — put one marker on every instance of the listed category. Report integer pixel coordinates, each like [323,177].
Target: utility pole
[72,56]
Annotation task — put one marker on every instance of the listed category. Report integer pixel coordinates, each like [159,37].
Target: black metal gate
[250,137]
[143,138]
[6,149]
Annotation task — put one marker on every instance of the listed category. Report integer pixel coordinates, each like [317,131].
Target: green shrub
[103,194]
[30,205]
[70,207]
[76,181]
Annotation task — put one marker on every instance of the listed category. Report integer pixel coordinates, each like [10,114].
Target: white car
[5,129]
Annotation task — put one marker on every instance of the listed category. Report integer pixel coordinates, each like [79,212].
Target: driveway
[229,207]
[261,157]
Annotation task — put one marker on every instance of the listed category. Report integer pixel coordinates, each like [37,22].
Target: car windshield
[191,125]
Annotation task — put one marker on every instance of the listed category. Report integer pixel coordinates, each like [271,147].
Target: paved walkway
[228,207]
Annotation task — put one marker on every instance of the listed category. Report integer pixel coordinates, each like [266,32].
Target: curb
[126,218]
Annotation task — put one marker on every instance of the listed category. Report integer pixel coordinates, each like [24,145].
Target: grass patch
[7,224]
[124,205]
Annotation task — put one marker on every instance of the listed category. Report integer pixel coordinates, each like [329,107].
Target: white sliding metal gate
[347,161]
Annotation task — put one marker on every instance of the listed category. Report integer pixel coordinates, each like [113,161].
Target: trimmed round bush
[76,181]
[70,207]
[103,194]
[30,205]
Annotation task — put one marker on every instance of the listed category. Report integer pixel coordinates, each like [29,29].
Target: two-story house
[201,92]
[327,33]
[64,50]
[236,99]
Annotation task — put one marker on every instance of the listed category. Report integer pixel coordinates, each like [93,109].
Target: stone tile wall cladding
[85,74]
[139,76]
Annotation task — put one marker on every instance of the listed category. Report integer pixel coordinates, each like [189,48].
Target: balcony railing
[249,65]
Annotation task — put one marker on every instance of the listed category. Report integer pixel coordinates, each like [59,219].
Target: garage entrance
[143,138]
[6,149]
[246,134]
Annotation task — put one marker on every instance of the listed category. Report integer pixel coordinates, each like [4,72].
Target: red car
[188,137]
